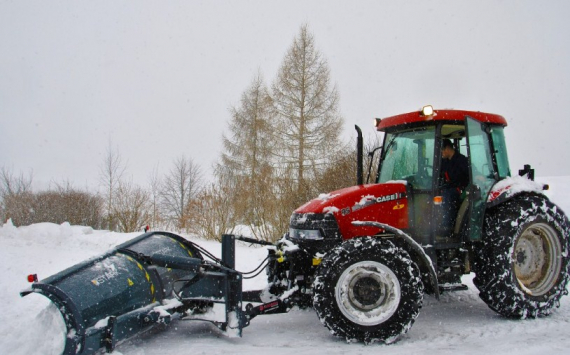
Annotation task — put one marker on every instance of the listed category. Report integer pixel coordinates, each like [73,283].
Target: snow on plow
[151,279]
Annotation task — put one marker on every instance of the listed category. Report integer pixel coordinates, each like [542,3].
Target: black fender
[429,276]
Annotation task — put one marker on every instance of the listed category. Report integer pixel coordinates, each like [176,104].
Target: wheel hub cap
[368,293]
[537,259]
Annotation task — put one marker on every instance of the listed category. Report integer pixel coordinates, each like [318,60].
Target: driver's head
[447,149]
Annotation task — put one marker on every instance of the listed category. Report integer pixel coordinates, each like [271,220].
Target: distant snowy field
[458,323]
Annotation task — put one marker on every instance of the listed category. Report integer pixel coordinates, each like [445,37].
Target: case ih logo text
[371,200]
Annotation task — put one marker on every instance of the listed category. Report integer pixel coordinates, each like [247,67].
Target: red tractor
[364,256]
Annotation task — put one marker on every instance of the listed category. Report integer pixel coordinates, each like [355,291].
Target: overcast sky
[157,77]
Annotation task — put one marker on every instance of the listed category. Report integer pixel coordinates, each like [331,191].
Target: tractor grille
[326,223]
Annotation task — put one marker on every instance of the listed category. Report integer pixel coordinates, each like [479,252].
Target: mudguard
[510,187]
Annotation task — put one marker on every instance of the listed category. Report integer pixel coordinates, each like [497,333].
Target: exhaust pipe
[359,156]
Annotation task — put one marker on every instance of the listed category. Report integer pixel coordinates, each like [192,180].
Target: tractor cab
[412,154]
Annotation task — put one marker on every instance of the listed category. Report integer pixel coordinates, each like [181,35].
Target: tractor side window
[498,136]
[409,156]
[481,159]
[482,169]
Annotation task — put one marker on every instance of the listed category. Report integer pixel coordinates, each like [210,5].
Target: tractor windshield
[408,156]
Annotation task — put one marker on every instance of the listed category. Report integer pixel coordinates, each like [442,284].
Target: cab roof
[428,114]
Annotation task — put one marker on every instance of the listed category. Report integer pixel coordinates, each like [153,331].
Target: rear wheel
[523,268]
[368,290]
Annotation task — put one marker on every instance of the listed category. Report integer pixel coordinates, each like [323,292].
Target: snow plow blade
[150,279]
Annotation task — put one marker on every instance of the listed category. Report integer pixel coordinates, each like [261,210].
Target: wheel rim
[537,260]
[368,293]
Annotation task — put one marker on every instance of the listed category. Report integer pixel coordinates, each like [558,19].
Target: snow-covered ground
[458,323]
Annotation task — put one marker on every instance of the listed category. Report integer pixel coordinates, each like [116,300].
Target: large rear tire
[368,290]
[523,268]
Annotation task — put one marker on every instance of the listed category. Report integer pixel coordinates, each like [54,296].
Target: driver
[455,178]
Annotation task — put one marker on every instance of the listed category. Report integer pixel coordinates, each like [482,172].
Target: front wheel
[368,290]
[524,263]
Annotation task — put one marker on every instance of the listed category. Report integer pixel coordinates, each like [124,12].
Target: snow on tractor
[362,256]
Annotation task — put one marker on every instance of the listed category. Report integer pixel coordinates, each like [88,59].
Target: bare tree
[131,207]
[214,211]
[65,203]
[14,190]
[179,189]
[110,174]
[20,208]
[308,115]
[62,204]
[154,198]
[247,158]
[11,184]
[340,172]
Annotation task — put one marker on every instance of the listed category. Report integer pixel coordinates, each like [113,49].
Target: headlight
[306,234]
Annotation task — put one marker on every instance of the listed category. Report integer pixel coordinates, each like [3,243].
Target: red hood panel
[385,203]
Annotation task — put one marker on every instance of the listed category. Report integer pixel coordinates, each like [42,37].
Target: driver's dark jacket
[455,172]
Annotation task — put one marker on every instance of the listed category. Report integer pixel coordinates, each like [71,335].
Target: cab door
[482,174]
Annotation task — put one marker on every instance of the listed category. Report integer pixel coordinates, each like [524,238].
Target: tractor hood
[385,203]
